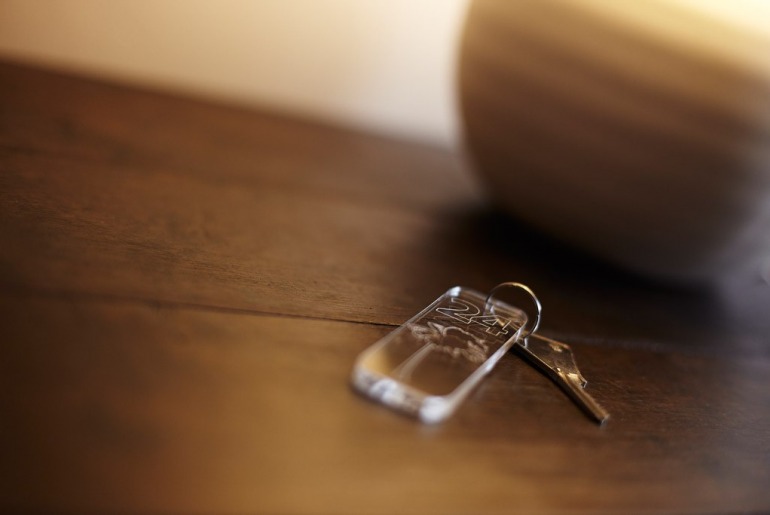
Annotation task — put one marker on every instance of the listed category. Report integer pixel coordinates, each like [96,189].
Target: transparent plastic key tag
[428,365]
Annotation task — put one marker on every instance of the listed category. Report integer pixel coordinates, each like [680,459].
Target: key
[557,361]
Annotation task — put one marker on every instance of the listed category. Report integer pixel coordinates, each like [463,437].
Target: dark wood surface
[184,287]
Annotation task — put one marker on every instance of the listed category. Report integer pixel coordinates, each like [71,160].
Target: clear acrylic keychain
[427,366]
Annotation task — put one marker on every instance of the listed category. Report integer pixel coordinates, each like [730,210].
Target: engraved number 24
[467,313]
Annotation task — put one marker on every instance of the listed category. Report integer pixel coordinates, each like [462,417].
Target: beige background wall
[377,64]
[383,65]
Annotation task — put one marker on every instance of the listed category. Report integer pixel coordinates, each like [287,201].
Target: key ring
[529,291]
[427,366]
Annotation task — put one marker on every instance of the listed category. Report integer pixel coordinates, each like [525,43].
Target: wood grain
[181,201]
[184,288]
[164,410]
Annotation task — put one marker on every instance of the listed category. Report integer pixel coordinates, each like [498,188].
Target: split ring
[529,292]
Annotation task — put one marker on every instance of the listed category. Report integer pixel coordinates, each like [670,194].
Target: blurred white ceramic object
[637,130]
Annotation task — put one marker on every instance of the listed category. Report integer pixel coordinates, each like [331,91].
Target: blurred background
[673,93]
[385,66]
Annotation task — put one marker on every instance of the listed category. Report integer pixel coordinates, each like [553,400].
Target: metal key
[556,360]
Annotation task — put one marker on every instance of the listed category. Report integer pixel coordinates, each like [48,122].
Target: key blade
[556,360]
[551,356]
[583,399]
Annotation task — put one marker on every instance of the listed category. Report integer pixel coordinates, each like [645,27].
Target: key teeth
[557,361]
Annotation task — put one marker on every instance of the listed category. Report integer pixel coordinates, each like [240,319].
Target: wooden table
[185,287]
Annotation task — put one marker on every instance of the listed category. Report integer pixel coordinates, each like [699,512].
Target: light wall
[380,65]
